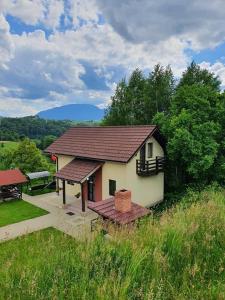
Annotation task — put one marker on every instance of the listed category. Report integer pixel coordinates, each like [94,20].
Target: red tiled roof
[12,177]
[78,169]
[106,208]
[113,143]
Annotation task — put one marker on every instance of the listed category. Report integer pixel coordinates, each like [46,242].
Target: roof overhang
[78,170]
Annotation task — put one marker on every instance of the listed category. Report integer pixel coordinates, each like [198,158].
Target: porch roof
[78,169]
[106,208]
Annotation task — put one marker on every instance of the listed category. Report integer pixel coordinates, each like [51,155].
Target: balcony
[150,167]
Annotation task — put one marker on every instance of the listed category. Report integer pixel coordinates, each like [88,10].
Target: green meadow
[6,145]
[179,255]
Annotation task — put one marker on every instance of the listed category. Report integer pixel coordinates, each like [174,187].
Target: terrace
[150,167]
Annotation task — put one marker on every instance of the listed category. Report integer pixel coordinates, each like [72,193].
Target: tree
[28,157]
[47,140]
[117,113]
[160,89]
[193,130]
[138,100]
[195,75]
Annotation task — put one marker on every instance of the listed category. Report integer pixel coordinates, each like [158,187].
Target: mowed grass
[178,256]
[18,210]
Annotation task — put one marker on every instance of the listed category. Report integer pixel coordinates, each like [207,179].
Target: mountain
[74,112]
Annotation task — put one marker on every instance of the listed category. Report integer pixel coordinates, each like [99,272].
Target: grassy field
[179,256]
[8,145]
[18,210]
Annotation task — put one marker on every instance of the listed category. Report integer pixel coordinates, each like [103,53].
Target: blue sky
[56,52]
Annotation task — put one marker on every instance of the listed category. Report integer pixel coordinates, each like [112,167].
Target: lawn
[18,210]
[8,145]
[178,256]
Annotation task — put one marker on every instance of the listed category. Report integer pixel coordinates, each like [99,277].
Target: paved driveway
[77,225]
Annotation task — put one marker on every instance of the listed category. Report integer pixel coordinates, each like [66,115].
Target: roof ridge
[113,126]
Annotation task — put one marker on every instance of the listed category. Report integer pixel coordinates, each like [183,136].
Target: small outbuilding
[11,182]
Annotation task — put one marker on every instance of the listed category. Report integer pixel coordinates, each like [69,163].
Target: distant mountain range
[73,112]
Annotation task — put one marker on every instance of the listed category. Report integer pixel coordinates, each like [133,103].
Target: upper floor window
[150,150]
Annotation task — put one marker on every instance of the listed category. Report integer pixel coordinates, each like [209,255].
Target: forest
[190,113]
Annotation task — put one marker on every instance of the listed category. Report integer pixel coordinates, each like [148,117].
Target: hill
[74,112]
[12,129]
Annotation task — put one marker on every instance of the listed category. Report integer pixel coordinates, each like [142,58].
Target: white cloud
[217,68]
[6,44]
[39,66]
[83,10]
[32,12]
[102,46]
[200,22]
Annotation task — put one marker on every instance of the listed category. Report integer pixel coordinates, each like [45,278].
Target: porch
[78,182]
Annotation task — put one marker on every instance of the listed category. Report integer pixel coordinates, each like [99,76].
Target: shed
[10,183]
[37,175]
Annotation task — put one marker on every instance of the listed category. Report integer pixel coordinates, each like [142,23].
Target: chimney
[123,200]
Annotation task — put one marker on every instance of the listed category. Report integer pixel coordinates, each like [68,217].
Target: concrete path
[77,225]
[18,229]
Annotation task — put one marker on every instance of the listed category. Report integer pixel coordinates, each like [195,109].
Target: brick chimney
[123,200]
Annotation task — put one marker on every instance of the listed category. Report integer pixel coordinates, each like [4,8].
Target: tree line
[190,113]
[40,130]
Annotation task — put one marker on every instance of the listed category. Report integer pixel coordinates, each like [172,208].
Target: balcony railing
[150,167]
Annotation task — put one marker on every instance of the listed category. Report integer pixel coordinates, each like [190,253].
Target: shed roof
[78,169]
[35,175]
[11,177]
[106,208]
[112,143]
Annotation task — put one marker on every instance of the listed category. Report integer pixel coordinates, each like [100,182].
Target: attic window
[112,187]
[150,150]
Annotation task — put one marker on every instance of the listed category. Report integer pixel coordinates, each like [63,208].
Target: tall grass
[178,256]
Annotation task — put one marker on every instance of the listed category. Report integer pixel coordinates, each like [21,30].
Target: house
[94,162]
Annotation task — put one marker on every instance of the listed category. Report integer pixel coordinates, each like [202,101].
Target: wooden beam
[57,180]
[64,192]
[82,197]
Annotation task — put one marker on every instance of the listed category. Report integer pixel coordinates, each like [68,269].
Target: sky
[57,52]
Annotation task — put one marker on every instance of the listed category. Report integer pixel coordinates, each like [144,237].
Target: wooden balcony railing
[150,167]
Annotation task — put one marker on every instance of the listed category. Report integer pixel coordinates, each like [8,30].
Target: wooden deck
[106,209]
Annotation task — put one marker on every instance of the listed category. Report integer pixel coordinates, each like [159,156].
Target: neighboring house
[94,162]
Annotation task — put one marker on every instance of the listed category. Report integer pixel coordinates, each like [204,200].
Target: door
[91,190]
[142,157]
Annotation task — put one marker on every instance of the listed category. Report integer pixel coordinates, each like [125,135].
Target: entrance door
[142,157]
[91,190]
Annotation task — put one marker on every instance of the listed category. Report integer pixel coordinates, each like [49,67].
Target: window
[112,187]
[150,150]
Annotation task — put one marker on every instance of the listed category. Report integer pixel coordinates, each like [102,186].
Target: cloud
[6,44]
[218,69]
[102,46]
[76,51]
[85,10]
[30,12]
[47,12]
[38,67]
[200,22]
